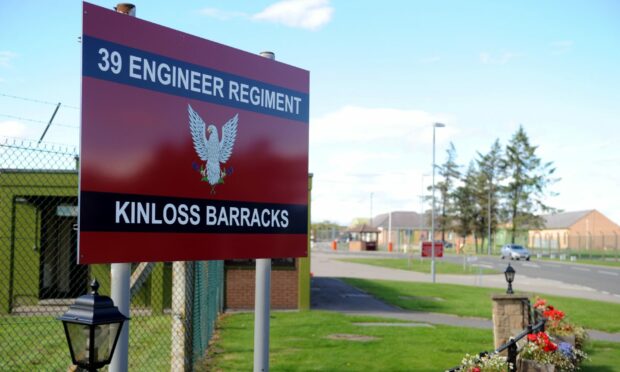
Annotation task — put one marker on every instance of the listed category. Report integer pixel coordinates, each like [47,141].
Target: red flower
[553,314]
[475,369]
[542,340]
[550,347]
[540,302]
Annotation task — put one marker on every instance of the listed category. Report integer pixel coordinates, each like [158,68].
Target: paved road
[562,281]
[600,278]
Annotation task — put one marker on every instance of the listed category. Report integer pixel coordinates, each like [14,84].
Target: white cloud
[306,14]
[499,59]
[6,56]
[368,125]
[12,128]
[358,150]
[222,15]
[561,47]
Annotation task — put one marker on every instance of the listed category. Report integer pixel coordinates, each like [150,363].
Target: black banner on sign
[113,212]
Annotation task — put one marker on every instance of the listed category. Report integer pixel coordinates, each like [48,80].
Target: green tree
[449,174]
[359,221]
[491,174]
[528,180]
[325,230]
[465,203]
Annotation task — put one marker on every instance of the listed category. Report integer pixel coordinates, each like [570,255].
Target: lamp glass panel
[114,331]
[103,341]
[78,334]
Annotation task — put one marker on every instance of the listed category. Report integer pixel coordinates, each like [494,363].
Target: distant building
[408,229]
[587,229]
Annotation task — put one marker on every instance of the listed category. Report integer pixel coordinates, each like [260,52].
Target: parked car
[446,244]
[515,252]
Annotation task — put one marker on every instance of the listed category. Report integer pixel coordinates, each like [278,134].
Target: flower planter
[565,338]
[526,365]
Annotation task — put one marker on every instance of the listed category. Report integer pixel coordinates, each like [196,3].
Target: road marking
[531,265]
[553,265]
[608,273]
[580,268]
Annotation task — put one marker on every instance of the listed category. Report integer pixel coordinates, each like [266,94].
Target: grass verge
[604,357]
[423,266]
[476,301]
[149,340]
[325,341]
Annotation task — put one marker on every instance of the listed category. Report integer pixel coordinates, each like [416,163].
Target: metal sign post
[262,301]
[120,275]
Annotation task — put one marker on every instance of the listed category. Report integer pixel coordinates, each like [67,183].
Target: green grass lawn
[476,301]
[423,266]
[149,339]
[324,341]
[604,357]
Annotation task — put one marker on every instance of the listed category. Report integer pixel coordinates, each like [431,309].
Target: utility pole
[489,218]
[436,125]
[370,220]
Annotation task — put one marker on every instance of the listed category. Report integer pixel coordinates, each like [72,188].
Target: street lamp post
[92,326]
[370,220]
[436,125]
[510,277]
[489,220]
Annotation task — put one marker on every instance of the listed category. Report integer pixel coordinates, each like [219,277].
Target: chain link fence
[174,306]
[581,246]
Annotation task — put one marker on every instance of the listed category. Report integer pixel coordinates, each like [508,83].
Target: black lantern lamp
[92,326]
[510,276]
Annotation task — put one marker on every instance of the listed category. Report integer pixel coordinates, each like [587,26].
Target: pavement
[331,294]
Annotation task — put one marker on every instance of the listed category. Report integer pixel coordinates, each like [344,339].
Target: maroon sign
[190,150]
[427,249]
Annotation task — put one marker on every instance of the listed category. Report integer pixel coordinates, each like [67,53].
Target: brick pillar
[510,316]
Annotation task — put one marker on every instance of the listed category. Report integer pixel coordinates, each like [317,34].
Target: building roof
[363,229]
[401,220]
[564,220]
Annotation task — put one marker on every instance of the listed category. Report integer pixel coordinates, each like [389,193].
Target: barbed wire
[38,121]
[31,145]
[37,101]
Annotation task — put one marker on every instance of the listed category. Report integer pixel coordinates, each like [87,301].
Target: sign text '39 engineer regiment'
[190,150]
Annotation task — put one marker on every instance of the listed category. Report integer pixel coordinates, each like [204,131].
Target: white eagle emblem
[210,149]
